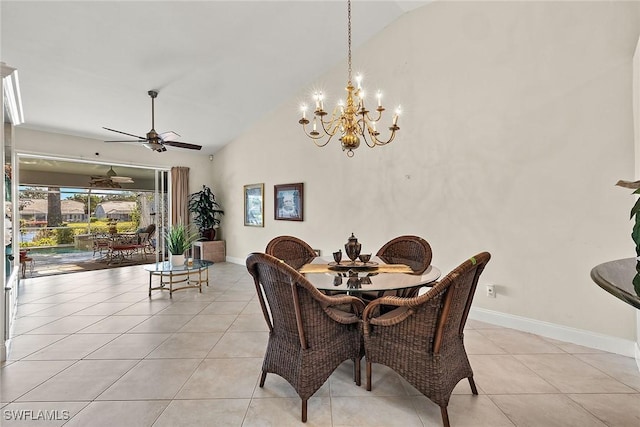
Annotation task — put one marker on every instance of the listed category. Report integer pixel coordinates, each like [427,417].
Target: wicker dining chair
[413,251]
[422,339]
[293,251]
[308,336]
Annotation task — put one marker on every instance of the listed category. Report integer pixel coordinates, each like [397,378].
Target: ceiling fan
[110,180]
[156,141]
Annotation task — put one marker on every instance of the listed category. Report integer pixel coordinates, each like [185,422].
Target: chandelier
[351,119]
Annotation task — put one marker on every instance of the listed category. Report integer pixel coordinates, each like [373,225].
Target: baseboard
[234,260]
[559,332]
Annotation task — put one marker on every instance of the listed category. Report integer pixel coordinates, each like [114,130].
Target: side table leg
[171,284]
[150,274]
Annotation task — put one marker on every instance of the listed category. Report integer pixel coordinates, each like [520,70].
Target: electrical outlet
[491,291]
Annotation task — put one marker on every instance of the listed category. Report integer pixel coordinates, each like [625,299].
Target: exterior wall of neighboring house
[35,211]
[115,210]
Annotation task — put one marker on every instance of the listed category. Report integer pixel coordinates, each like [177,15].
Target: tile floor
[91,349]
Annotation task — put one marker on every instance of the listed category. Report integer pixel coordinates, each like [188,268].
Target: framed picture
[254,205]
[287,202]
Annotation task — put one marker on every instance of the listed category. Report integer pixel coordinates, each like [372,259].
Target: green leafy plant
[179,238]
[205,209]
[635,233]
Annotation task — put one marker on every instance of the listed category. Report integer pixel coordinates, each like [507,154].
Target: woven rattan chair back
[310,334]
[422,338]
[293,251]
[413,251]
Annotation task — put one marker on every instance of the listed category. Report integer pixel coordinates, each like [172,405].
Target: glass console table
[186,276]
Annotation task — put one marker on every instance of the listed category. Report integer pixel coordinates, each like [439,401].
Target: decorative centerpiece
[352,248]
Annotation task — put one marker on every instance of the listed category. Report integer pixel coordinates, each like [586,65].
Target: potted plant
[205,210]
[179,239]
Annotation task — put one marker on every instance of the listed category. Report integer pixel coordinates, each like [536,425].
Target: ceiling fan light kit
[153,140]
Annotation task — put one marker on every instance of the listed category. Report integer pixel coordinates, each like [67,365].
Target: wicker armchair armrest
[335,310]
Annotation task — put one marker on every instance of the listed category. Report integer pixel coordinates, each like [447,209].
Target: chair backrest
[151,228]
[461,285]
[293,251]
[293,306]
[413,251]
[437,316]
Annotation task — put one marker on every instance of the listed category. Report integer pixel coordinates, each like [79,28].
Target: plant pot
[176,259]
[209,234]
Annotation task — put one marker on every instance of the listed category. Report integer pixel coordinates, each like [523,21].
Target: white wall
[518,122]
[58,145]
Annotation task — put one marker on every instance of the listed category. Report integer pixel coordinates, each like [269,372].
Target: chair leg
[304,410]
[368,376]
[356,371]
[262,378]
[472,383]
[445,416]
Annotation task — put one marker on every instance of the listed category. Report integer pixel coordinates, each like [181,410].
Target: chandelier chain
[349,35]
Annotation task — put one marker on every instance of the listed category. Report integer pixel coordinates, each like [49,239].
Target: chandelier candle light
[350,119]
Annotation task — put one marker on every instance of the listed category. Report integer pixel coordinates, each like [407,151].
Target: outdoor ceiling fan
[110,180]
[153,140]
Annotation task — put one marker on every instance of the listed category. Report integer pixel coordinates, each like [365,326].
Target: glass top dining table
[373,276]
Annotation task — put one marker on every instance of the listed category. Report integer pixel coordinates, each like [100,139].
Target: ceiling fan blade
[125,133]
[128,140]
[168,136]
[183,145]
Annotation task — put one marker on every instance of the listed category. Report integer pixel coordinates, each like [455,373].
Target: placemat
[382,268]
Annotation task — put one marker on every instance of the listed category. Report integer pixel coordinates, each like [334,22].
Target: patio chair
[422,339]
[308,336]
[100,243]
[293,251]
[25,260]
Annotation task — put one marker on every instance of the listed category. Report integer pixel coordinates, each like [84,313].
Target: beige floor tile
[476,343]
[622,368]
[152,379]
[186,345]
[96,297]
[570,347]
[253,307]
[285,412]
[31,309]
[184,307]
[516,342]
[37,414]
[249,322]
[384,381]
[545,410]
[20,377]
[66,309]
[205,413]
[612,409]
[67,325]
[478,324]
[209,323]
[113,325]
[142,308]
[571,375]
[84,380]
[104,308]
[222,378]
[464,411]
[24,345]
[26,324]
[129,346]
[129,297]
[240,344]
[159,324]
[119,413]
[72,347]
[502,374]
[372,410]
[234,295]
[276,386]
[225,307]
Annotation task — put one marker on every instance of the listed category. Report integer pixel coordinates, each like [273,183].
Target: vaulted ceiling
[218,65]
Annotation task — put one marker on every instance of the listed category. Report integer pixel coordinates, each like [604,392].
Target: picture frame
[288,202]
[254,205]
